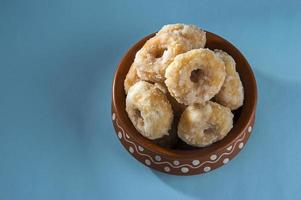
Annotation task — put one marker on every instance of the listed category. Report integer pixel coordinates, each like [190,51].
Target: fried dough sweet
[149,110]
[202,125]
[231,94]
[195,76]
[131,78]
[158,52]
[190,32]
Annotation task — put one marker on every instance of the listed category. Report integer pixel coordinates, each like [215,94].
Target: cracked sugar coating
[149,110]
[131,78]
[189,32]
[158,52]
[231,94]
[202,125]
[195,76]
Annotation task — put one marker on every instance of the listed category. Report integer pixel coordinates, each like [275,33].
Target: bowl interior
[241,116]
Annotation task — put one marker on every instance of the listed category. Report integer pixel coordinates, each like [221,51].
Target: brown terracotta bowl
[182,160]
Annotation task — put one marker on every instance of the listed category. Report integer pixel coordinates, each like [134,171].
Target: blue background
[57,60]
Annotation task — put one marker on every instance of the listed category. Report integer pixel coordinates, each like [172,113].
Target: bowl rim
[184,154]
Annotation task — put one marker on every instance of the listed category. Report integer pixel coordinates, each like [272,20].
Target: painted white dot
[176,162]
[113,116]
[184,170]
[119,135]
[226,160]
[196,162]
[140,148]
[213,157]
[157,158]
[250,129]
[241,145]
[167,169]
[229,148]
[131,149]
[127,136]
[207,169]
[147,162]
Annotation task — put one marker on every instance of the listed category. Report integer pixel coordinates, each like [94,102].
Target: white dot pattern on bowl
[226,160]
[167,169]
[119,135]
[229,148]
[113,116]
[184,170]
[140,148]
[176,162]
[196,162]
[250,129]
[157,158]
[147,162]
[207,169]
[131,149]
[182,167]
[213,157]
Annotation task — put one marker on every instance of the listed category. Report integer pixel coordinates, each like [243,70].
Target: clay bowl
[182,160]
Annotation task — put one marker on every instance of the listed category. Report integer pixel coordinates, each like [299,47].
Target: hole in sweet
[196,75]
[159,52]
[139,117]
[208,130]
